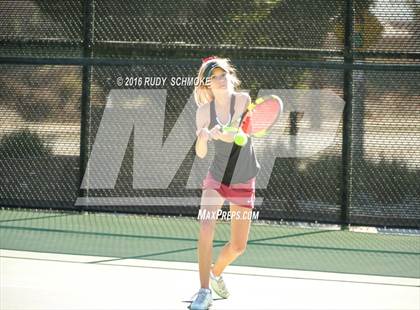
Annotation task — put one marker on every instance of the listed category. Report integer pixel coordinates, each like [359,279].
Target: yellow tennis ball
[241,139]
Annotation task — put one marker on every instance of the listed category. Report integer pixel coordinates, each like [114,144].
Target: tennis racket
[258,119]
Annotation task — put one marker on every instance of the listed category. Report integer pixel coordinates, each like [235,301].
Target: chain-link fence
[60,60]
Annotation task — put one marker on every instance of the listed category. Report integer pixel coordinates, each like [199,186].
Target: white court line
[31,280]
[51,256]
[238,270]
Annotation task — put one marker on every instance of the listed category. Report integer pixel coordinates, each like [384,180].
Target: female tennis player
[231,176]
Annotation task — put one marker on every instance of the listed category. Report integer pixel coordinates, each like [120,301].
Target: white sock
[213,276]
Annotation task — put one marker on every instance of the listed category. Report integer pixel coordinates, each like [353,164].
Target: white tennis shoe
[218,285]
[203,301]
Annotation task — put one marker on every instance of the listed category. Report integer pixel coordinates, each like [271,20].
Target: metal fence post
[347,115]
[88,20]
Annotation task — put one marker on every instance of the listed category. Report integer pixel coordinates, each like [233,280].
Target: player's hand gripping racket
[258,119]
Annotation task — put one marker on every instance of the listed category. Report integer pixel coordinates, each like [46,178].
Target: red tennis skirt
[241,194]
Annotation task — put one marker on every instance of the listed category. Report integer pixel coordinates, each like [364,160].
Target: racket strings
[264,115]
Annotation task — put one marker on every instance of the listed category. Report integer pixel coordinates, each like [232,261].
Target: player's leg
[240,227]
[211,202]
[236,246]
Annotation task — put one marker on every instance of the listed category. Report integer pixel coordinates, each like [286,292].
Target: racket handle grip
[246,125]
